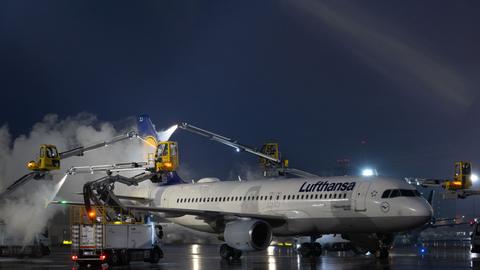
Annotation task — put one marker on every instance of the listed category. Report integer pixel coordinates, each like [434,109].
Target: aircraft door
[360,196]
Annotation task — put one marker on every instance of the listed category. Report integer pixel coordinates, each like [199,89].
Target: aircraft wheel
[237,254]
[317,249]
[306,250]
[226,252]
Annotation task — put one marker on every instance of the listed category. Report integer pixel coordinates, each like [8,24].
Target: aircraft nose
[419,211]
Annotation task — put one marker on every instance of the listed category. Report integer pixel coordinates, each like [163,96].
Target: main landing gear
[229,253]
[310,250]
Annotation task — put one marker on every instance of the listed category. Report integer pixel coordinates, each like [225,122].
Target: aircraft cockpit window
[392,193]
[407,193]
[395,193]
[386,193]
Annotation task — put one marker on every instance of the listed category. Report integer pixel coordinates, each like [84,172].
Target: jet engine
[248,235]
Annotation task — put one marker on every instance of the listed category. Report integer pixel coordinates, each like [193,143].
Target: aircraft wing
[207,215]
[273,220]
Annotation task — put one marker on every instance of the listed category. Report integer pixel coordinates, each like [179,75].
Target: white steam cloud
[24,212]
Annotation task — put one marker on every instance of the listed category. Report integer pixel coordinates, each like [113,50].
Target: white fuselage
[311,206]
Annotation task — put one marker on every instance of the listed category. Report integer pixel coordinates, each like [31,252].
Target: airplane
[247,214]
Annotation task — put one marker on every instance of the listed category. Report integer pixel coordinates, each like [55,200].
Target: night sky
[319,77]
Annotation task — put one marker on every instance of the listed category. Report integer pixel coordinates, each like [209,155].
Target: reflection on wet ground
[199,257]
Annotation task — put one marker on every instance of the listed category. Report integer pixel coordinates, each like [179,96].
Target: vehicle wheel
[124,259]
[317,249]
[114,259]
[382,254]
[45,250]
[155,255]
[37,252]
[226,252]
[82,265]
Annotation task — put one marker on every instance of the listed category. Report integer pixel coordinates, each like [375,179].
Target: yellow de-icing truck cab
[166,157]
[461,177]
[49,159]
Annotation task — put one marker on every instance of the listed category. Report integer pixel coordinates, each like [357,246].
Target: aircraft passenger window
[320,196]
[284,197]
[224,198]
[302,196]
[298,197]
[395,193]
[316,196]
[204,199]
[257,198]
[330,196]
[271,197]
[178,200]
[344,195]
[334,196]
[244,198]
[278,197]
[386,193]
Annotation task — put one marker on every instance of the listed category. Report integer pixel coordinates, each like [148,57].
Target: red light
[74,257]
[103,257]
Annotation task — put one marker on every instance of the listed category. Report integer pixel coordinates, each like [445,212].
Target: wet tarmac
[199,257]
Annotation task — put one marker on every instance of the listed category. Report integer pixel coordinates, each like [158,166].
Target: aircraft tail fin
[173,179]
[146,129]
